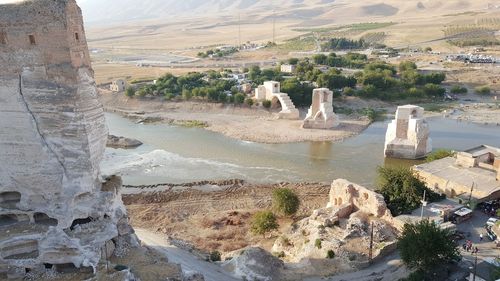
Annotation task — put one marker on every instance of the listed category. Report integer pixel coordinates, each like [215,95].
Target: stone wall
[55,209]
[359,197]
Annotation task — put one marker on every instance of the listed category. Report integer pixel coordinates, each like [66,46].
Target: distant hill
[115,11]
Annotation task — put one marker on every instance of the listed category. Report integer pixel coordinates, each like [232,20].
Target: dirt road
[187,260]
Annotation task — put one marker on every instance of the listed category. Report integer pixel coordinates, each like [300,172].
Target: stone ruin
[320,114]
[407,136]
[271,91]
[56,211]
[343,226]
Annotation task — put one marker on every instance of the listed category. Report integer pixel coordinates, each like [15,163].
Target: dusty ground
[215,220]
[254,124]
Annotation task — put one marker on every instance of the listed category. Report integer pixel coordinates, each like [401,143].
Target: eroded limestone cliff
[55,209]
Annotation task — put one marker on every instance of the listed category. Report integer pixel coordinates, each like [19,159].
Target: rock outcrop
[339,235]
[320,114]
[122,142]
[256,264]
[407,136]
[55,209]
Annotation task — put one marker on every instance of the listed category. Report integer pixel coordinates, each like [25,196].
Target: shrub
[266,104]
[169,96]
[215,256]
[484,90]
[317,243]
[458,90]
[130,92]
[186,94]
[249,102]
[263,222]
[239,98]
[285,201]
[348,91]
[439,154]
[330,254]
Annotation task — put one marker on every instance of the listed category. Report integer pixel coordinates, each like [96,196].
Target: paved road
[188,261]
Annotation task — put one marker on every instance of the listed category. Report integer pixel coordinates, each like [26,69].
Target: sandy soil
[254,124]
[215,220]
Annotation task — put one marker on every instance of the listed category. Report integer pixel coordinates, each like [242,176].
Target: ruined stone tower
[54,207]
[407,136]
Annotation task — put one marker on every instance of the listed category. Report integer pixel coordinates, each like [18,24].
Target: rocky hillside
[98,11]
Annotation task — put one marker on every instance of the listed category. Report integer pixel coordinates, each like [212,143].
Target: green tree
[407,66]
[319,59]
[402,191]
[263,222]
[424,246]
[439,154]
[239,98]
[285,201]
[186,94]
[433,90]
[293,61]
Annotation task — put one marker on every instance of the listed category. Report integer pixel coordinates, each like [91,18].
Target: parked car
[491,235]
[492,221]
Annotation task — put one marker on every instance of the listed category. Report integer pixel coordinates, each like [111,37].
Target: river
[173,154]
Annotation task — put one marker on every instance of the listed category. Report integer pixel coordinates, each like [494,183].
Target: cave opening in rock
[81,222]
[8,200]
[44,219]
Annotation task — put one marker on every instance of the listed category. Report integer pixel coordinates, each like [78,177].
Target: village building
[407,136]
[288,68]
[118,85]
[271,91]
[473,173]
[320,114]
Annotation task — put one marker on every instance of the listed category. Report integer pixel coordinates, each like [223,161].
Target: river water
[172,154]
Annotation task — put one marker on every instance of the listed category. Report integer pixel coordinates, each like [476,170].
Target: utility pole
[370,254]
[470,195]
[239,31]
[424,203]
[274,27]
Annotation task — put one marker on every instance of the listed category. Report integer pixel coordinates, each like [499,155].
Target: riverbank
[254,124]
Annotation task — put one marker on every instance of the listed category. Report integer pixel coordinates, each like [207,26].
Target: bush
[249,102]
[239,98]
[130,92]
[348,91]
[285,201]
[317,243]
[263,222]
[484,90]
[186,94]
[330,254]
[266,104]
[215,256]
[169,96]
[458,90]
[439,154]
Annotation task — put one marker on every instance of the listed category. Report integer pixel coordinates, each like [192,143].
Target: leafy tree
[263,222]
[130,92]
[424,246]
[300,93]
[330,254]
[348,91]
[433,90]
[439,154]
[319,59]
[402,191]
[186,94]
[222,97]
[239,98]
[293,61]
[407,66]
[285,201]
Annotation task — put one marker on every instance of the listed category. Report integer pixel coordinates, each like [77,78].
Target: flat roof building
[474,172]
